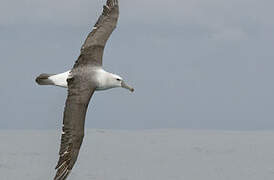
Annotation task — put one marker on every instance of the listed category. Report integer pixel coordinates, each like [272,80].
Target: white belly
[60,79]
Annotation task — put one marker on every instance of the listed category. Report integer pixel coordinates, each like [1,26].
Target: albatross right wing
[79,94]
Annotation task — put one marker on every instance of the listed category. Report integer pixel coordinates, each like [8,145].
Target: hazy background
[194,64]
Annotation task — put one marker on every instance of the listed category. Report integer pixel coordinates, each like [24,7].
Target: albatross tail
[43,79]
[53,79]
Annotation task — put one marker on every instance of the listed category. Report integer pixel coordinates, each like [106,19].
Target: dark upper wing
[93,48]
[79,95]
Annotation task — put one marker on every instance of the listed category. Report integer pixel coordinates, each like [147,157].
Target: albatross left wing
[93,48]
[79,94]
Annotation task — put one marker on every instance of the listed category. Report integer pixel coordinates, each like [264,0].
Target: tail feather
[43,79]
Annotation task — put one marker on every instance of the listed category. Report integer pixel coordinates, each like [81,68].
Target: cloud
[219,19]
[49,11]
[229,34]
[213,12]
[216,54]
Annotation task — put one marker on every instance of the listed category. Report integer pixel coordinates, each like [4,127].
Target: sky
[194,64]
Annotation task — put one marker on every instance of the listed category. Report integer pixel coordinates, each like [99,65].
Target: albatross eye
[118,79]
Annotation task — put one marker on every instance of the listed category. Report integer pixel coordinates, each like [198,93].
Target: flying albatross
[86,76]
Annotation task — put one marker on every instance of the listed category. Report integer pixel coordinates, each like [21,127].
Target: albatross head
[117,81]
[106,80]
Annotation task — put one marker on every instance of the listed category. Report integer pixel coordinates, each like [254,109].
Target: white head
[108,80]
[117,81]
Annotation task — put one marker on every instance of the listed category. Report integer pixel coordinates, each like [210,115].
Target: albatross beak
[124,85]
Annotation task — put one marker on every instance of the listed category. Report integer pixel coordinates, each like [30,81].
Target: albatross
[86,77]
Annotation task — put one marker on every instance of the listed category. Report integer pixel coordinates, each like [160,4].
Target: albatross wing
[79,94]
[80,89]
[93,48]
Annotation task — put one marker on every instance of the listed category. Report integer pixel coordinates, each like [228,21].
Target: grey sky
[194,64]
